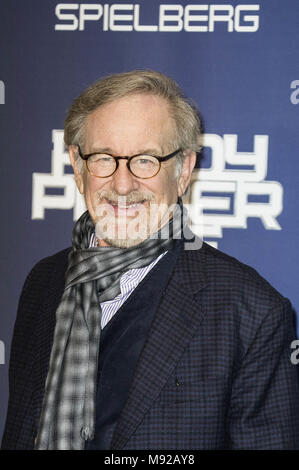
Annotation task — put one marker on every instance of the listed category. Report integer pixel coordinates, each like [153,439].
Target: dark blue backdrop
[241,67]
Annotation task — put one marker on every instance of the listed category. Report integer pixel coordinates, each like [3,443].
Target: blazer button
[85,431]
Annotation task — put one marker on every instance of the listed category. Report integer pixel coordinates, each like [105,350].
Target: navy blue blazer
[214,373]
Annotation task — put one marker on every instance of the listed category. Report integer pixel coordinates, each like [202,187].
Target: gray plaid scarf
[93,276]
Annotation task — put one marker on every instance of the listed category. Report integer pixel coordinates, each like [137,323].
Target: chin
[123,243]
[121,234]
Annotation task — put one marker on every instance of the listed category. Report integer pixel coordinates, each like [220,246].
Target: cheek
[169,187]
[92,185]
[92,188]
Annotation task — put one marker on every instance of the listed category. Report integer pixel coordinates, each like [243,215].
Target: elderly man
[140,336]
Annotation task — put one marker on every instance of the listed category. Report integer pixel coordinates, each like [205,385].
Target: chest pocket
[206,392]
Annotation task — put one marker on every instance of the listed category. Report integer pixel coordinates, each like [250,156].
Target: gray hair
[113,87]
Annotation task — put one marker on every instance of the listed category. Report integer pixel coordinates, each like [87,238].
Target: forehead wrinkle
[164,134]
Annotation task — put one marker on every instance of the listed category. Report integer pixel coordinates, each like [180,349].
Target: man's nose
[123,182]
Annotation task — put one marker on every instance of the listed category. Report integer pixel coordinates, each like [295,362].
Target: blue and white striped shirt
[128,282]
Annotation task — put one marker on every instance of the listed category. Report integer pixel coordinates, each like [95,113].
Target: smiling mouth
[125,208]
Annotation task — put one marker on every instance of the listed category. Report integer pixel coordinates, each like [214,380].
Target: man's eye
[145,161]
[102,158]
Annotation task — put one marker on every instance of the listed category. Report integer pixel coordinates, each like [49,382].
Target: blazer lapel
[176,321]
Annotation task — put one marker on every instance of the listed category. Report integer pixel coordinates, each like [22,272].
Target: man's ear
[186,172]
[73,153]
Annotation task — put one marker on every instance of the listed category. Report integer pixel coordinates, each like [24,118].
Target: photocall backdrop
[238,61]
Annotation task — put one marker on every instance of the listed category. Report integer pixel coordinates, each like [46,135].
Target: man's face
[121,205]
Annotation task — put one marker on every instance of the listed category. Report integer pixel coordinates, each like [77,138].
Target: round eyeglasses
[142,166]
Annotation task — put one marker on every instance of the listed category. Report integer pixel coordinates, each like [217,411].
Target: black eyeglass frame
[160,160]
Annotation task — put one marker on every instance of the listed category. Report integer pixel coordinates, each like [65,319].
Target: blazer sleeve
[264,407]
[37,306]
[21,358]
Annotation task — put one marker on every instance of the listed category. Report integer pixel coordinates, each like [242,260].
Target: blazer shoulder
[43,285]
[46,276]
[44,282]
[237,276]
[57,259]
[49,266]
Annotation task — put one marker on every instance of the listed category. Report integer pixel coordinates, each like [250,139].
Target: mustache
[133,197]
